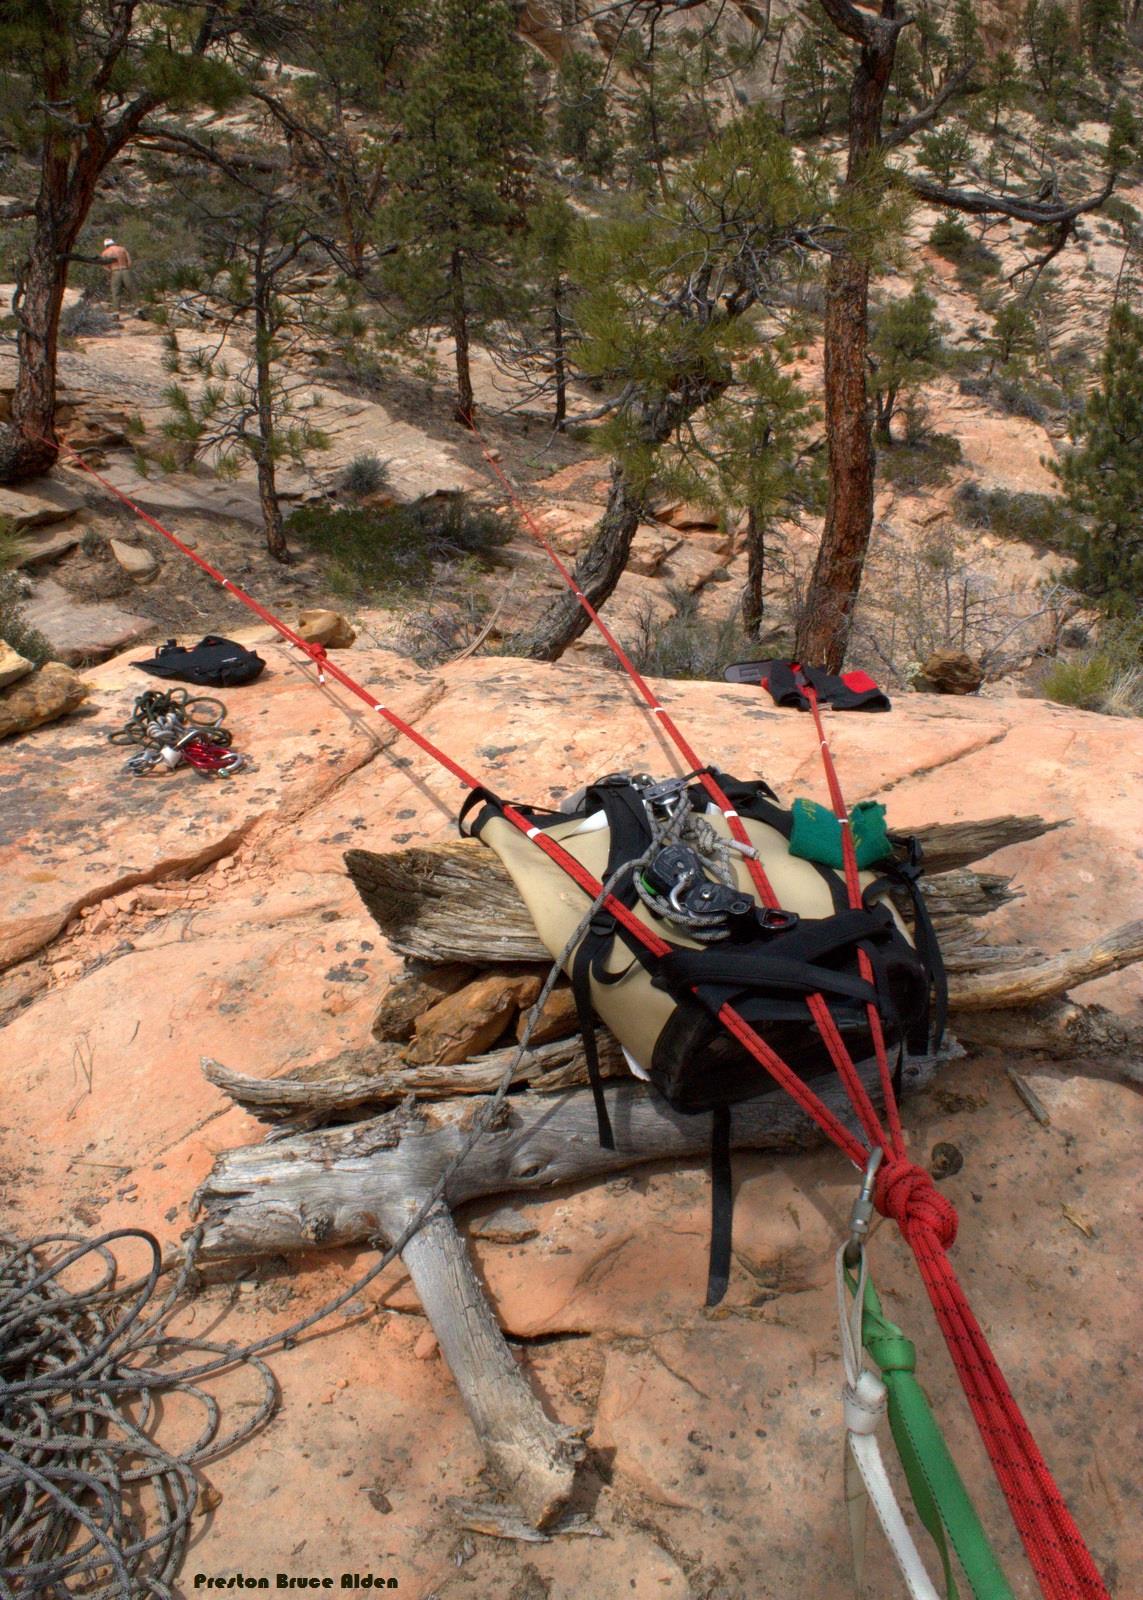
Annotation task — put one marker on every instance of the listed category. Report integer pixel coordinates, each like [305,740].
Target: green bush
[14,630]
[367,551]
[973,260]
[1038,519]
[918,462]
[365,474]
[1080,683]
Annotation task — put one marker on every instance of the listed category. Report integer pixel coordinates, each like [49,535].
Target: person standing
[117,260]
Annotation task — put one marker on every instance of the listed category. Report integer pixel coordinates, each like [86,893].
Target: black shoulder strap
[721,1206]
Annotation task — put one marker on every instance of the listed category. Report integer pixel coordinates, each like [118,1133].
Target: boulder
[40,697]
[682,514]
[472,1019]
[650,547]
[12,665]
[135,559]
[949,672]
[325,627]
[692,566]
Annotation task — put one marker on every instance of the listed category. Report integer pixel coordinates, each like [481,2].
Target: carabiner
[862,1214]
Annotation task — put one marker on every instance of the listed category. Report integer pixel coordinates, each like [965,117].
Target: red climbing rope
[904,1191]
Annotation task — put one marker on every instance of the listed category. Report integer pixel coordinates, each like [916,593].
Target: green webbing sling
[938,1493]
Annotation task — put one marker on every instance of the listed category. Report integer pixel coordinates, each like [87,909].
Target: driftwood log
[455,916]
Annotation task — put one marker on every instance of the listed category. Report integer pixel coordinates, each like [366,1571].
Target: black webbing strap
[929,1031]
[599,935]
[789,961]
[721,1206]
[629,834]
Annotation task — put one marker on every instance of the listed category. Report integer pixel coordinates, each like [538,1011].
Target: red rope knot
[908,1194]
[316,652]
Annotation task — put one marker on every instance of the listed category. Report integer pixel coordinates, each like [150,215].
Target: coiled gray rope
[91,1504]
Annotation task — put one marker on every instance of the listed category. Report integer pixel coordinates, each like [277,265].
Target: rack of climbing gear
[173,729]
[900,1188]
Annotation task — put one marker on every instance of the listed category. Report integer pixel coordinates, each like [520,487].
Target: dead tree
[473,965]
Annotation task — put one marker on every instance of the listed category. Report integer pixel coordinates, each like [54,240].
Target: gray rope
[90,1503]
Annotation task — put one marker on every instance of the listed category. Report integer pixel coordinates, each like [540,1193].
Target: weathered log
[455,902]
[1092,1039]
[367,1180]
[363,1180]
[1045,979]
[365,1077]
[533,1457]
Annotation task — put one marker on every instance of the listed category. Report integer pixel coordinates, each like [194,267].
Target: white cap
[106,242]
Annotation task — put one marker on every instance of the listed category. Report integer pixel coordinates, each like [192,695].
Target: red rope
[905,1192]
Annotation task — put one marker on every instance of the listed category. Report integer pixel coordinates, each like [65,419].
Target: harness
[897,1187]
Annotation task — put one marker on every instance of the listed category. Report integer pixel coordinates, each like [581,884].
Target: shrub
[364,475]
[973,260]
[85,319]
[1084,684]
[1038,519]
[14,629]
[919,462]
[687,645]
[394,549]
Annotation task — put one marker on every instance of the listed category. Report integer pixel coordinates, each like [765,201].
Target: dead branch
[1024,986]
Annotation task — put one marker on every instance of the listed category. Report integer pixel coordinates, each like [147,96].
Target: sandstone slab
[692,565]
[74,830]
[81,632]
[37,503]
[39,697]
[650,547]
[41,546]
[274,964]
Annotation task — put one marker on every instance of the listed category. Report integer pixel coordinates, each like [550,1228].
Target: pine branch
[906,130]
[975,202]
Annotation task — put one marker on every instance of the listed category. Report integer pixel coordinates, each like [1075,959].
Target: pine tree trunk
[599,567]
[458,317]
[26,445]
[264,377]
[559,357]
[597,571]
[823,631]
[753,601]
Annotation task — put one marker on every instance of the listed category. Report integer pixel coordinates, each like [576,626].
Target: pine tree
[533,340]
[248,410]
[904,349]
[757,438]
[662,321]
[1103,475]
[470,135]
[78,79]
[1051,41]
[583,119]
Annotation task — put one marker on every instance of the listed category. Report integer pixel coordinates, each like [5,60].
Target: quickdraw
[177,729]
[902,1189]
